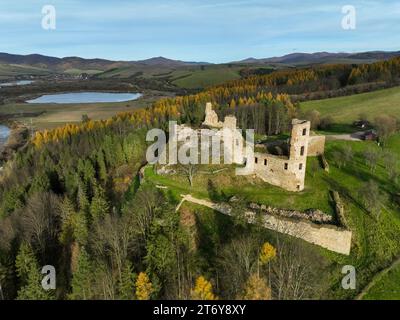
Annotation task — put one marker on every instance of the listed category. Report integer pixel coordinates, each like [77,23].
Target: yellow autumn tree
[144,288]
[268,252]
[256,289]
[203,290]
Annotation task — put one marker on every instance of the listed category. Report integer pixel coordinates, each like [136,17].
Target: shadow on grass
[345,192]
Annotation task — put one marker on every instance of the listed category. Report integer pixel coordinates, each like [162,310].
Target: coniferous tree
[126,286]
[99,206]
[82,278]
[30,276]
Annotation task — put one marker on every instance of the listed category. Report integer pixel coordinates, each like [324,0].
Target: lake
[16,83]
[85,97]
[4,133]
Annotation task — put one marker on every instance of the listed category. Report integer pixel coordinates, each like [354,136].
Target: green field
[345,110]
[11,70]
[80,71]
[209,77]
[189,77]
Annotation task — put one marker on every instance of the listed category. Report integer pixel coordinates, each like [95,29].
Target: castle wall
[280,171]
[316,146]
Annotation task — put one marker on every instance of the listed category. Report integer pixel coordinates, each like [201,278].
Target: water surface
[16,83]
[86,97]
[4,133]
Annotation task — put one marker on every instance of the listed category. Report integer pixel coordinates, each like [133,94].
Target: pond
[85,97]
[16,83]
[4,133]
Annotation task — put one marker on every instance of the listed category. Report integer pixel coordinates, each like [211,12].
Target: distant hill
[62,64]
[186,74]
[161,61]
[324,57]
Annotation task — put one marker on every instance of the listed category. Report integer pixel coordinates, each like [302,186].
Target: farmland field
[10,70]
[207,77]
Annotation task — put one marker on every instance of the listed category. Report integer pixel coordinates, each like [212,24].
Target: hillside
[62,64]
[347,109]
[66,63]
[325,57]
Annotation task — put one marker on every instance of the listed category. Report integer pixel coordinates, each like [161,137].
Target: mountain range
[324,57]
[62,64]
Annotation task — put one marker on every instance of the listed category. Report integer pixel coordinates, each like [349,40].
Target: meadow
[345,110]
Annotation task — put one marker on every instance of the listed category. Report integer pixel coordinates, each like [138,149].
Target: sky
[196,30]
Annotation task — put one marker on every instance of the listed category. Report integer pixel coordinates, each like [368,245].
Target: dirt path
[346,137]
[377,277]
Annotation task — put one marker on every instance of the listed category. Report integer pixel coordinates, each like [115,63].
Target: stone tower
[211,119]
[298,149]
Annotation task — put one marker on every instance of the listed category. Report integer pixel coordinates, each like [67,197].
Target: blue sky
[194,30]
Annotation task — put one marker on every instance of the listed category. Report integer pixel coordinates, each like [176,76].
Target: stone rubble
[313,215]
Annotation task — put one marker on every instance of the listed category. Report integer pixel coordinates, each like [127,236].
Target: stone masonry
[287,172]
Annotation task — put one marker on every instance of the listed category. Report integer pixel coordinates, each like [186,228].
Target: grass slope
[387,287]
[347,109]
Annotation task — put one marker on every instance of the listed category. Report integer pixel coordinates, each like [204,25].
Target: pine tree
[127,283]
[83,202]
[102,173]
[99,206]
[67,215]
[29,273]
[82,278]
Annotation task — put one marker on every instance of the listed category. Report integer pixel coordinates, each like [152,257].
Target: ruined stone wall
[316,146]
[230,122]
[327,236]
[285,172]
[211,119]
[280,171]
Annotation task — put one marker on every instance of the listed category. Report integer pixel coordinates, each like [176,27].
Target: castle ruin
[285,171]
